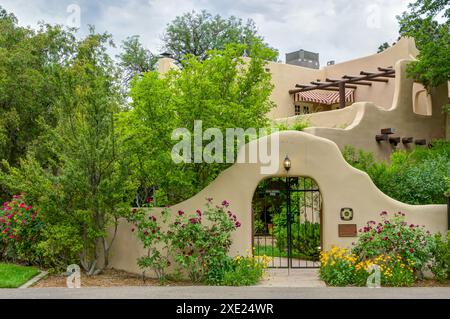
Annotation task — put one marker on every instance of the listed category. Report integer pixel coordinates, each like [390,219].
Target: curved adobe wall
[341,185]
[368,119]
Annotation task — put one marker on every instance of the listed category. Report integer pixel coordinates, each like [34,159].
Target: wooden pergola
[347,82]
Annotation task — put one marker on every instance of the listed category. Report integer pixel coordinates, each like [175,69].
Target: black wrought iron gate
[286,222]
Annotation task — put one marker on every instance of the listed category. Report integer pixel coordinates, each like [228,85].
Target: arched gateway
[349,198]
[287,216]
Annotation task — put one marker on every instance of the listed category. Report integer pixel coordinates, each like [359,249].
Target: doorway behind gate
[286,222]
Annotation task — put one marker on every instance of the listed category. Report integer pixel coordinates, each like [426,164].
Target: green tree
[135,59]
[197,33]
[29,67]
[83,186]
[384,46]
[223,91]
[428,22]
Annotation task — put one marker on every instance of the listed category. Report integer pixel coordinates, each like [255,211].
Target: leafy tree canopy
[224,91]
[428,22]
[135,59]
[197,33]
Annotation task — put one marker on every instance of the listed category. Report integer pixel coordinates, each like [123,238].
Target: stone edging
[34,280]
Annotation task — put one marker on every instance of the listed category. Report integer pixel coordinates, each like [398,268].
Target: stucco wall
[341,186]
[285,76]
[358,124]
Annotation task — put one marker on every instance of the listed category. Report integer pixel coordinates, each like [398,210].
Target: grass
[13,276]
[275,252]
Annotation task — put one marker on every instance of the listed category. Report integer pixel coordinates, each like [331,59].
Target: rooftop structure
[303,58]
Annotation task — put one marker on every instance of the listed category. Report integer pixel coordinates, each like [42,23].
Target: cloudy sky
[338,29]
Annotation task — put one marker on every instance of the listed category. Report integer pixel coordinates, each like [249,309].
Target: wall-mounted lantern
[287,163]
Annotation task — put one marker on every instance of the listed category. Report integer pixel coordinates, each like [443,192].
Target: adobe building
[369,103]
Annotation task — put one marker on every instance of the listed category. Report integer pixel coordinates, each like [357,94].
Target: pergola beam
[320,85]
[335,84]
[373,79]
[326,89]
[389,68]
[357,83]
[390,75]
[362,83]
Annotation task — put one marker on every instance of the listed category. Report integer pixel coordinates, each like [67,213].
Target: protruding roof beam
[374,80]
[362,83]
[326,89]
[390,75]
[347,86]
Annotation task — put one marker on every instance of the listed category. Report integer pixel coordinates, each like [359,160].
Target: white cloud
[337,29]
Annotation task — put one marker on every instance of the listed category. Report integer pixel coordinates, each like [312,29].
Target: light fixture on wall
[287,163]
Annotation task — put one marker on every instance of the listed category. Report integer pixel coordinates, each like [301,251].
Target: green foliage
[30,65]
[13,276]
[384,46]
[198,243]
[440,265]
[417,177]
[245,271]
[428,21]
[223,91]
[197,33]
[305,237]
[77,174]
[20,227]
[397,249]
[337,268]
[297,125]
[135,60]
[393,236]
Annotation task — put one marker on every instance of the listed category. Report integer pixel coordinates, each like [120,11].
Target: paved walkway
[208,292]
[292,278]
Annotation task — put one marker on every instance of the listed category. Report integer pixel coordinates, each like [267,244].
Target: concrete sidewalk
[208,292]
[292,278]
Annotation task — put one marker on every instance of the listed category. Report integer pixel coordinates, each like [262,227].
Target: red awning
[324,96]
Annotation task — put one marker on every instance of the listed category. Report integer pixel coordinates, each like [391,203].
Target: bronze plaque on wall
[347,230]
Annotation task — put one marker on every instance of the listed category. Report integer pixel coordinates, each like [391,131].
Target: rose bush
[400,250]
[20,228]
[198,243]
[394,236]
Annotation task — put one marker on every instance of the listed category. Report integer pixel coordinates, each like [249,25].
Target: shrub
[20,229]
[245,271]
[394,272]
[305,236]
[393,236]
[337,267]
[153,239]
[298,125]
[340,267]
[398,249]
[427,167]
[440,266]
[60,246]
[198,243]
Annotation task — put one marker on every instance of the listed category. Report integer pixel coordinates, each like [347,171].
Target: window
[306,110]
[297,110]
